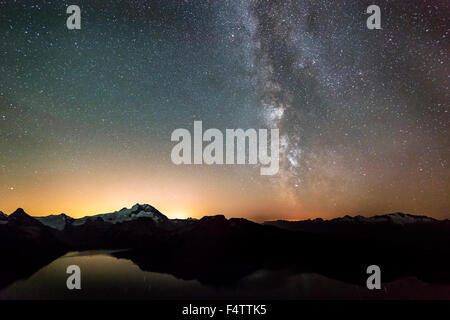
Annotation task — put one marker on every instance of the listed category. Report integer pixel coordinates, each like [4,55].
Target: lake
[104,276]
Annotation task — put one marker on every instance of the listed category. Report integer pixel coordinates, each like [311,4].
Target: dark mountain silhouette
[20,219]
[216,250]
[406,229]
[213,249]
[25,246]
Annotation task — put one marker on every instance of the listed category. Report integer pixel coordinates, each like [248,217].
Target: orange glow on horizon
[182,192]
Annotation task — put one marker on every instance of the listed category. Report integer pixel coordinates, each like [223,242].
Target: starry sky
[86,115]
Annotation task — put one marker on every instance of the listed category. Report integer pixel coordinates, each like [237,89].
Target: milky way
[355,104]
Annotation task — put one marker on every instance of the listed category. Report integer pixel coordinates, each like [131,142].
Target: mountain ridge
[396,217]
[60,221]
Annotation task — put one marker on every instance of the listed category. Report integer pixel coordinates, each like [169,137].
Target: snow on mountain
[402,218]
[125,214]
[58,222]
[398,218]
[394,218]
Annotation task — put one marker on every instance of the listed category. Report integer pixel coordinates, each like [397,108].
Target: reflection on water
[106,277]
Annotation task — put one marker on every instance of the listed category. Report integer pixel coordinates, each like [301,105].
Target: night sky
[86,115]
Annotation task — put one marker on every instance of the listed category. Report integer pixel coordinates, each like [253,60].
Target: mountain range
[61,221]
[137,211]
[217,250]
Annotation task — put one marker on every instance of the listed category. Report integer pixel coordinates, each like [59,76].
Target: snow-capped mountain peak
[54,221]
[125,214]
[60,221]
[392,218]
[402,218]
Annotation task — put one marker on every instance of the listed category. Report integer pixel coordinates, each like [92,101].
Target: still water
[104,276]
